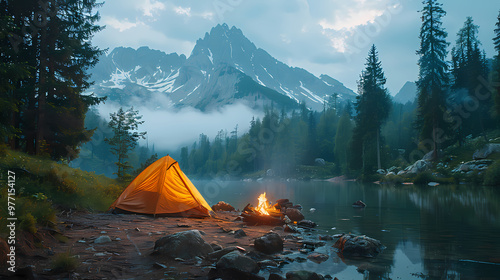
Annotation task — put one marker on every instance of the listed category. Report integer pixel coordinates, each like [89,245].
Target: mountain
[407,93]
[224,67]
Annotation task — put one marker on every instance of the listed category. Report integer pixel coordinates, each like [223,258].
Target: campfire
[268,214]
[263,205]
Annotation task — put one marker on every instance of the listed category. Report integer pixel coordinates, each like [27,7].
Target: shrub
[423,178]
[492,175]
[64,262]
[28,223]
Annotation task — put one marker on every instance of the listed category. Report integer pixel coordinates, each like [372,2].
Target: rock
[239,233]
[319,161]
[479,165]
[237,261]
[418,167]
[312,243]
[290,228]
[325,237]
[294,214]
[102,239]
[350,245]
[487,150]
[269,243]
[216,246]
[183,225]
[297,206]
[306,224]
[359,204]
[317,257]
[218,254]
[433,184]
[266,263]
[274,276]
[402,172]
[381,172]
[282,201]
[303,275]
[270,173]
[222,206]
[185,245]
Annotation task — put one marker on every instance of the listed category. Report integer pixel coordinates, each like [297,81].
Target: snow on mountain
[215,74]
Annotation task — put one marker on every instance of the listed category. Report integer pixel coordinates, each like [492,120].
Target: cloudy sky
[323,36]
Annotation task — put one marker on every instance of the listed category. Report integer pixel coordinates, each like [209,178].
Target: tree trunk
[379,165]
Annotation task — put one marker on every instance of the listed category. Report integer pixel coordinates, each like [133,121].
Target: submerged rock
[317,257]
[306,224]
[350,245]
[185,245]
[270,243]
[359,204]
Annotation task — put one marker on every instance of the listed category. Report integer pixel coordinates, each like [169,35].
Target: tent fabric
[162,188]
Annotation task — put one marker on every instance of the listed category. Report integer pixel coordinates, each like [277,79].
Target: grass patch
[42,185]
[64,262]
[492,175]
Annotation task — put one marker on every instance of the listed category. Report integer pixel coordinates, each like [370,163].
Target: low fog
[170,128]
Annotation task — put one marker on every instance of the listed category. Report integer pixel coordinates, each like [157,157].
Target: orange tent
[162,189]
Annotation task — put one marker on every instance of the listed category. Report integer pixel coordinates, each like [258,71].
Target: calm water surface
[443,232]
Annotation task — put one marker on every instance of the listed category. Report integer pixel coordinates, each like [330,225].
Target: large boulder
[270,243]
[303,275]
[350,245]
[185,245]
[294,214]
[487,150]
[419,166]
[237,261]
[222,206]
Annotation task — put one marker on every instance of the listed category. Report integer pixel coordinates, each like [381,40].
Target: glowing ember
[261,208]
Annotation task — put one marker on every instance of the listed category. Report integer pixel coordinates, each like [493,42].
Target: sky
[322,36]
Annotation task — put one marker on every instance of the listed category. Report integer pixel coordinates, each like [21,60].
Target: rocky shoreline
[143,247]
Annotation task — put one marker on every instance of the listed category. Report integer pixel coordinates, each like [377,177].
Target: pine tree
[373,105]
[496,70]
[124,125]
[433,80]
[469,64]
[54,38]
[342,138]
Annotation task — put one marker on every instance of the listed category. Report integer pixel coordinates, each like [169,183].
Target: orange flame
[261,208]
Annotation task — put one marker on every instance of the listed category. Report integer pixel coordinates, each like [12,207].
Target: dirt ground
[128,255]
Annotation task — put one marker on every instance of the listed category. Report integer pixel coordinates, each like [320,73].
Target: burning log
[257,219]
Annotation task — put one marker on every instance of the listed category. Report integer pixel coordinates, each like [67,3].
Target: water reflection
[430,232]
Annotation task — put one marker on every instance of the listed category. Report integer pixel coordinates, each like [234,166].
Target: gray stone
[303,275]
[294,214]
[487,150]
[239,233]
[270,243]
[237,261]
[419,166]
[317,257]
[218,254]
[350,245]
[185,245]
[102,239]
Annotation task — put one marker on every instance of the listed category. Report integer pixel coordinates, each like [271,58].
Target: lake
[443,232]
